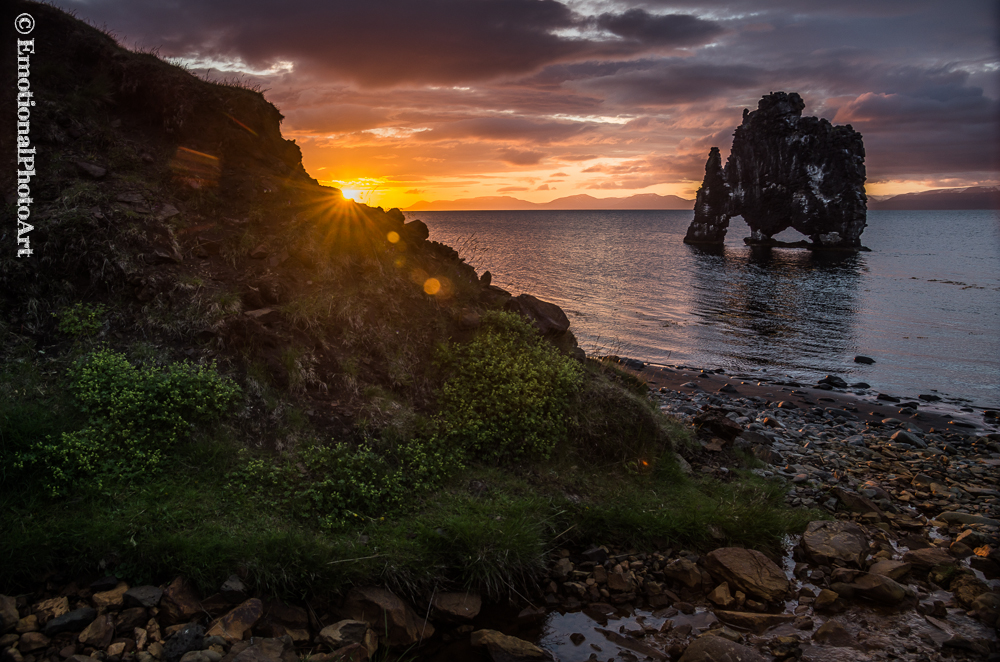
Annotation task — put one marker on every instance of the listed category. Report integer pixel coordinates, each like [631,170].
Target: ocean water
[925,303]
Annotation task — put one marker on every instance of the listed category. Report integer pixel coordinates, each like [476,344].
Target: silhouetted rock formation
[785,171]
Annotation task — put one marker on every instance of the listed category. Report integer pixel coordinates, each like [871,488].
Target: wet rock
[504,648]
[827,541]
[388,615]
[928,558]
[825,600]
[894,570]
[458,606]
[856,503]
[833,633]
[967,518]
[753,621]
[966,588]
[876,588]
[73,621]
[749,571]
[143,596]
[239,621]
[987,607]
[833,381]
[721,596]
[866,360]
[632,644]
[717,649]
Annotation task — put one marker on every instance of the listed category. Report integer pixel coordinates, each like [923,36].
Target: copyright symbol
[24,23]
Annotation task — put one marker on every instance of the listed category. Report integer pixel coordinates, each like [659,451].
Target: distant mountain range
[582,201]
[975,197]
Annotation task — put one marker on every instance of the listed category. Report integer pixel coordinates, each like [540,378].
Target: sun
[350,193]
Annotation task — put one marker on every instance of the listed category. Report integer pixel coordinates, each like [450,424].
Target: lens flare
[393,237]
[432,286]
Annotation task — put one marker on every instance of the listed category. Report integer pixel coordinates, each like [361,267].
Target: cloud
[559,174]
[511,189]
[520,157]
[414,191]
[659,30]
[543,187]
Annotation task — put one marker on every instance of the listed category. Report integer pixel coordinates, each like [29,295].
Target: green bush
[133,418]
[80,319]
[334,485]
[509,391]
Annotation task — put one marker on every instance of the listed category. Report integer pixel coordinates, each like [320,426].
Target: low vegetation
[217,364]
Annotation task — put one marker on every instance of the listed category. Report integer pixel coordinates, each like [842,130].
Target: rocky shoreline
[907,567]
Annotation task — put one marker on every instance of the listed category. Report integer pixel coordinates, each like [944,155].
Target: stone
[458,606]
[783,171]
[753,621]
[828,541]
[619,582]
[716,423]
[99,633]
[73,621]
[233,589]
[721,596]
[833,381]
[179,603]
[825,600]
[866,360]
[143,596]
[190,638]
[834,634]
[129,619]
[347,632]
[113,599]
[27,624]
[718,649]
[894,570]
[684,571]
[48,609]
[235,624]
[879,588]
[8,613]
[856,503]
[561,569]
[927,558]
[547,317]
[504,648]
[629,641]
[967,518]
[388,615]
[748,570]
[966,588]
[32,641]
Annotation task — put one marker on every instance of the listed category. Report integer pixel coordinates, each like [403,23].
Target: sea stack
[785,171]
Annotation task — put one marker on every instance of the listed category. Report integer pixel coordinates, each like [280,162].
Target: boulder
[876,588]
[179,602]
[683,571]
[753,621]
[504,648]
[925,559]
[387,615]
[714,422]
[749,571]
[710,648]
[8,613]
[235,624]
[547,317]
[894,570]
[143,596]
[49,609]
[347,632]
[189,638]
[32,641]
[828,541]
[458,606]
[835,634]
[73,621]
[99,633]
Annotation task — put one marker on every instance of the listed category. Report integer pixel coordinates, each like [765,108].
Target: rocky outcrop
[785,171]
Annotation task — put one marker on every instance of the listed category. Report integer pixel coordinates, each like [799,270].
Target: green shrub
[334,485]
[80,319]
[134,416]
[509,391]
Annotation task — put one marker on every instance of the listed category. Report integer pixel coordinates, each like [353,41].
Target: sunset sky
[400,101]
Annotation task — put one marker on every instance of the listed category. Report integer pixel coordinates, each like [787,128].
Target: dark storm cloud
[509,129]
[677,81]
[520,157]
[387,42]
[664,30]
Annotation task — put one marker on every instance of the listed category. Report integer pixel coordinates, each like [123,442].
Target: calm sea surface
[925,303]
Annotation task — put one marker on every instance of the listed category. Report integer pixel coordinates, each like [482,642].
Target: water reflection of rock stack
[773,307]
[785,171]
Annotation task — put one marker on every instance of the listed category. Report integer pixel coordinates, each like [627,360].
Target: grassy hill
[211,363]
